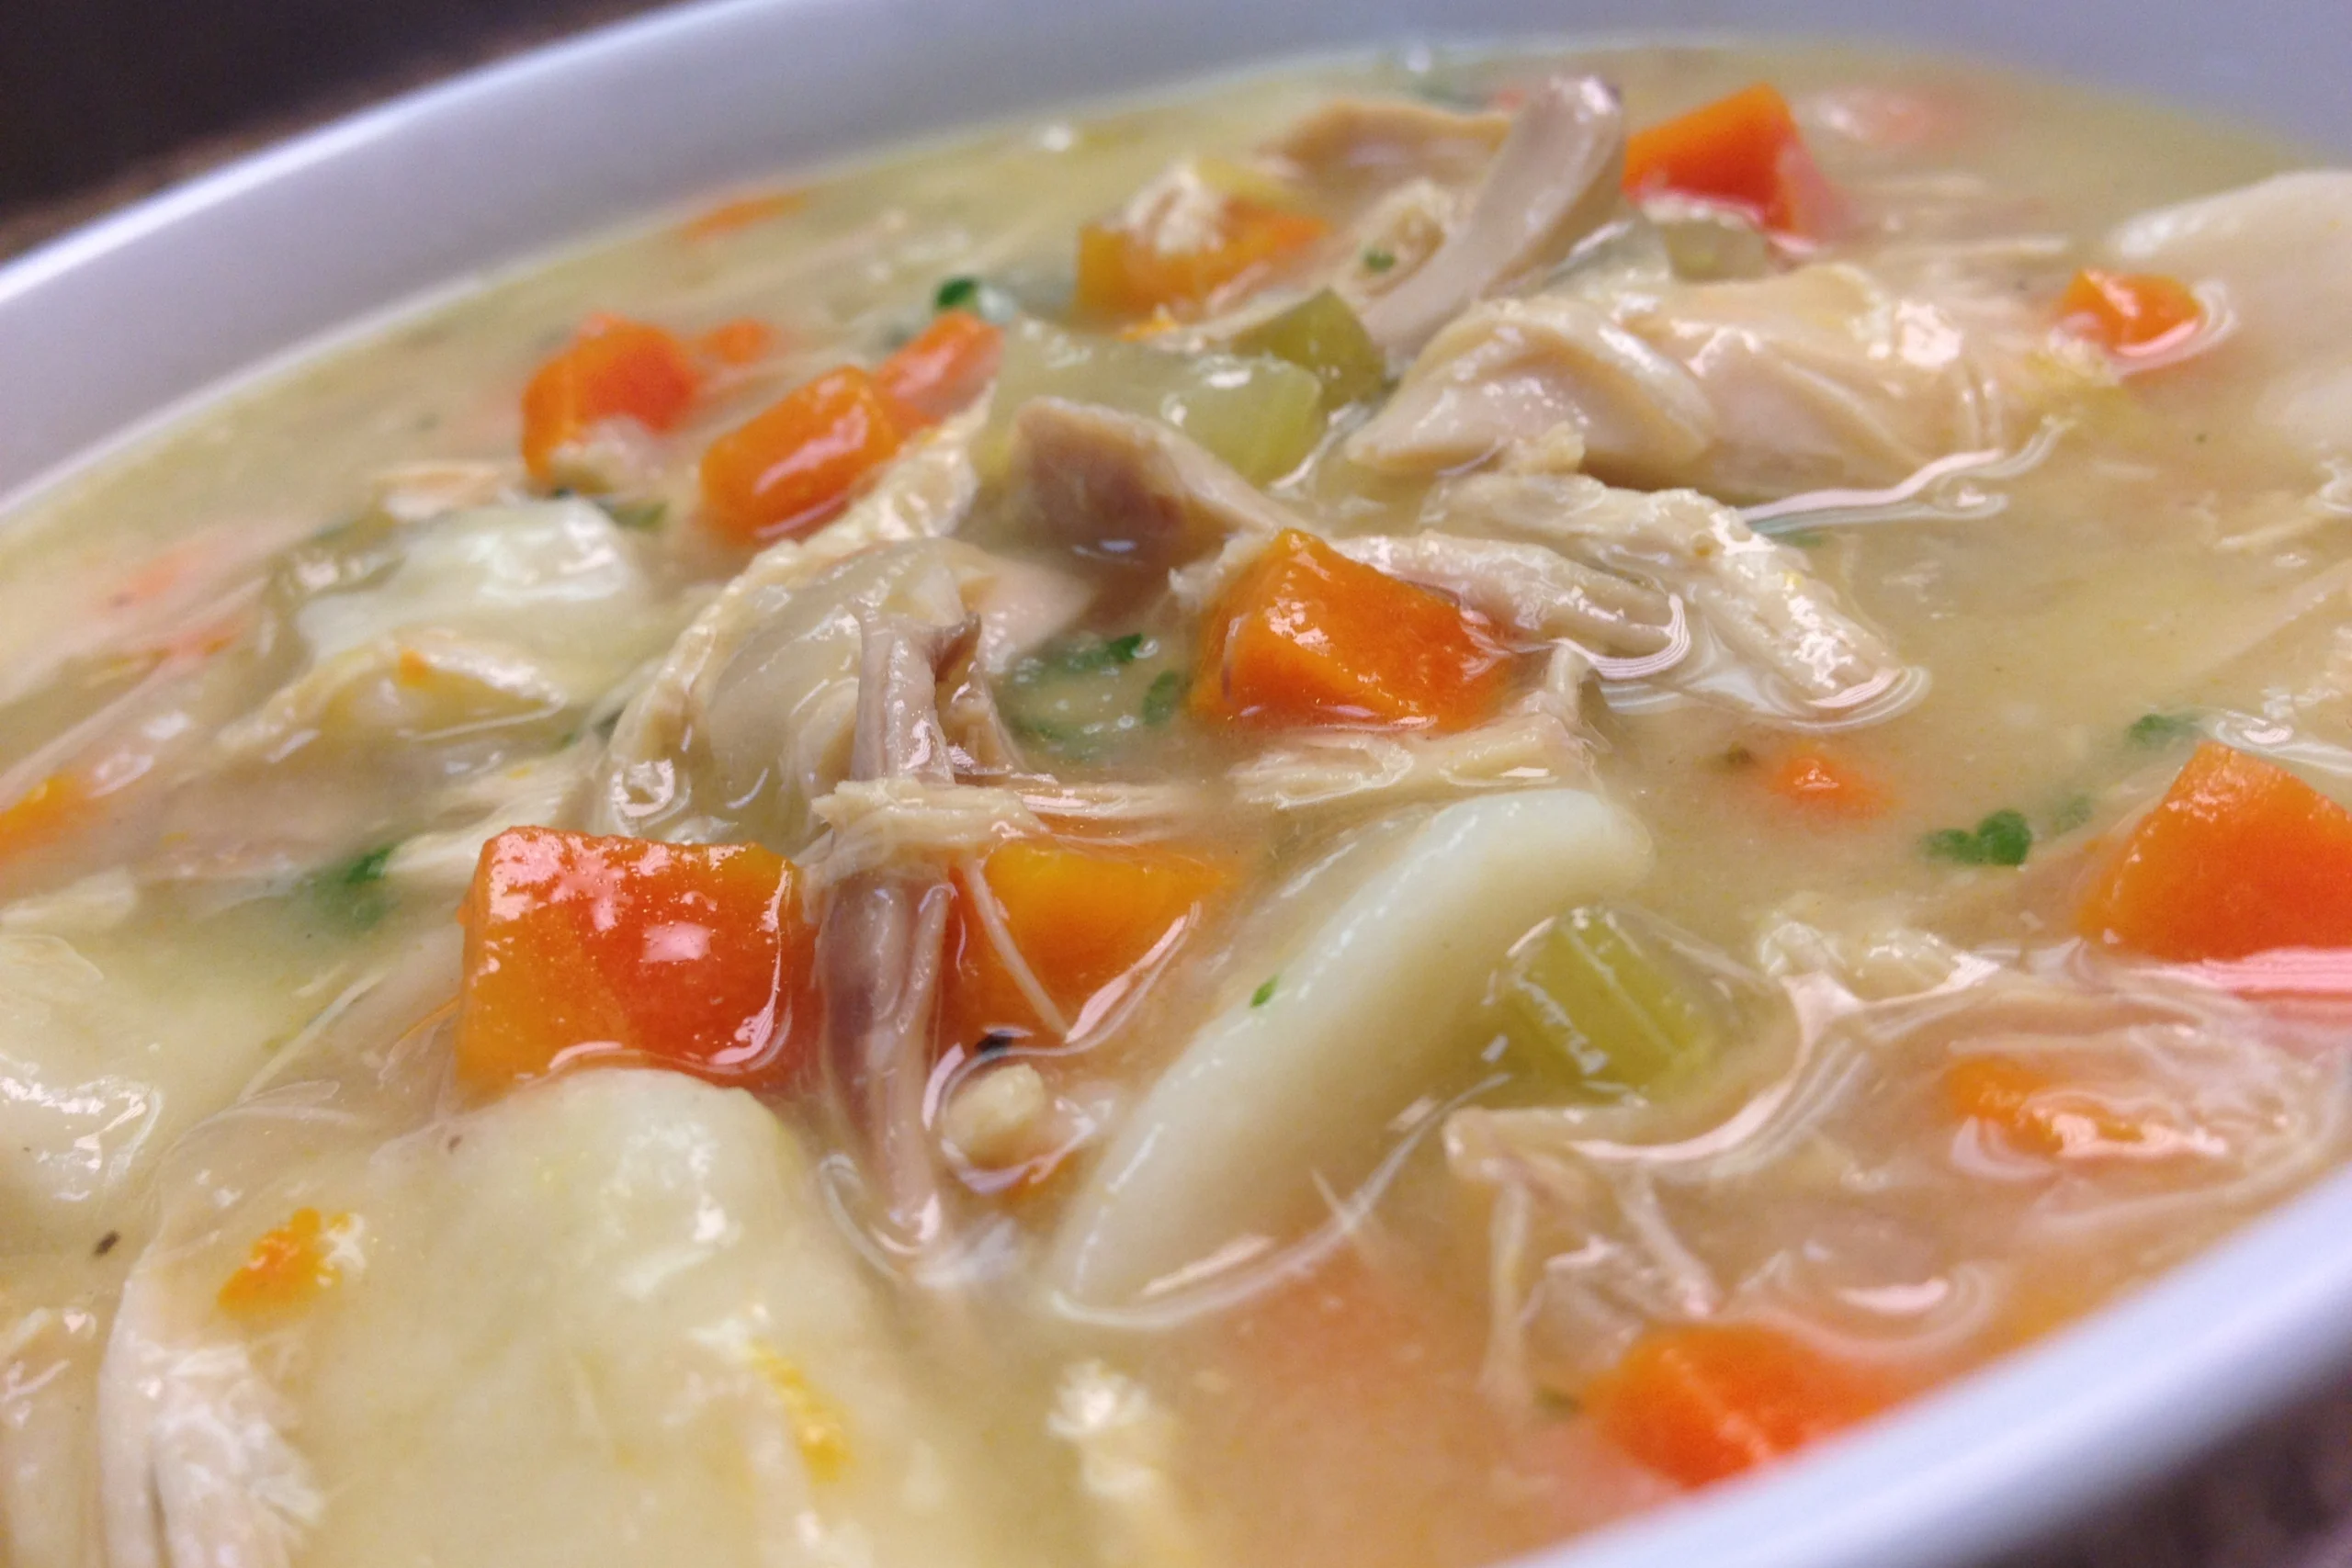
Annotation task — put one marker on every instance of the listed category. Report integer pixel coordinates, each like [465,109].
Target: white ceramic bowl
[122,323]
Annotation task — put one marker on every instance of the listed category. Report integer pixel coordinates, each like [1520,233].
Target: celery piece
[1260,415]
[1322,334]
[1591,1000]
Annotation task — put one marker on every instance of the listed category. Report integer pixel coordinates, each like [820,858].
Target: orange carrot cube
[614,369]
[583,950]
[1082,918]
[794,465]
[946,366]
[2239,857]
[1743,151]
[1701,1401]
[1307,636]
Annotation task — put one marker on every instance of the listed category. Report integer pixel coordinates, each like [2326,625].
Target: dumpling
[604,1320]
[2281,251]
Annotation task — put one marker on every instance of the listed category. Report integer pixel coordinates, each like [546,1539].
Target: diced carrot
[1743,151]
[1144,328]
[583,950]
[746,340]
[1082,916]
[1121,273]
[1701,1401]
[2038,1114]
[2129,312]
[946,366]
[793,465]
[1307,636]
[1826,785]
[742,212]
[42,813]
[614,369]
[287,1267]
[2239,857]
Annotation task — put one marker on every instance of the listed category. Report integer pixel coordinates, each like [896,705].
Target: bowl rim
[1974,1468]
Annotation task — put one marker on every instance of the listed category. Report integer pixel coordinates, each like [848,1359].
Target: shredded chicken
[1553,180]
[1362,768]
[1604,1215]
[1353,143]
[1757,597]
[1535,591]
[755,705]
[1748,389]
[893,820]
[1114,483]
[881,944]
[1514,372]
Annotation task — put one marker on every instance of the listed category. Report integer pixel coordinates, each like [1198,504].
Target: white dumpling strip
[1269,1099]
[2281,251]
[604,1320]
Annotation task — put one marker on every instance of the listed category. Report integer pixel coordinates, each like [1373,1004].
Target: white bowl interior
[114,327]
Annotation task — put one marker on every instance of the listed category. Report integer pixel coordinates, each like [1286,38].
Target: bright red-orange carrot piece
[1081,917]
[1743,151]
[1826,785]
[584,949]
[2239,857]
[792,466]
[745,340]
[1307,636]
[2129,312]
[1701,1401]
[2033,1113]
[742,212]
[614,369]
[286,1268]
[946,366]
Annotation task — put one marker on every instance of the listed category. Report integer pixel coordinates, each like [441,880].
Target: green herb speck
[2003,837]
[983,300]
[2158,730]
[1264,992]
[1378,260]
[1086,658]
[349,893]
[1166,695]
[368,868]
[2073,812]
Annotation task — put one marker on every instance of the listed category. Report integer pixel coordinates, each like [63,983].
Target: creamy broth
[1482,844]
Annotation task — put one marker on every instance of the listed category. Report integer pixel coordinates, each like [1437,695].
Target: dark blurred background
[103,100]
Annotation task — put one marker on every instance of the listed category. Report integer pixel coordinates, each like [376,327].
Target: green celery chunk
[1322,334]
[1260,415]
[1592,1001]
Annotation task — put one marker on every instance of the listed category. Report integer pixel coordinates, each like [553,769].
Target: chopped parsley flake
[2158,730]
[1166,695]
[1264,992]
[2005,838]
